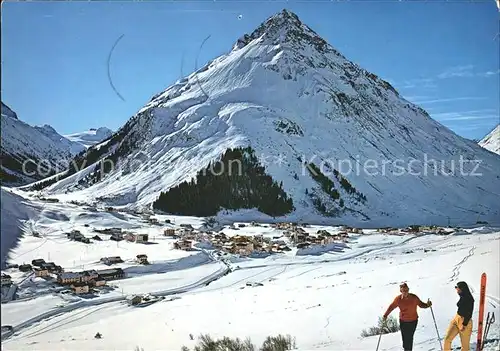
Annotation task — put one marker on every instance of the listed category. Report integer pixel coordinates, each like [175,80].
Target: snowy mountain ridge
[491,141]
[291,97]
[73,146]
[30,153]
[6,111]
[48,150]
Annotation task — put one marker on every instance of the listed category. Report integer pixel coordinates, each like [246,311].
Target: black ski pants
[407,332]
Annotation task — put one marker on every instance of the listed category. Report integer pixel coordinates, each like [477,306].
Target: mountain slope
[48,151]
[74,147]
[492,141]
[301,107]
[90,137]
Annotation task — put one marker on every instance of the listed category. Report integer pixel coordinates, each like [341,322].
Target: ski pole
[486,327]
[380,335]
[437,331]
[489,322]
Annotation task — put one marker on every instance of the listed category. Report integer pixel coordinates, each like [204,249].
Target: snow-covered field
[324,300]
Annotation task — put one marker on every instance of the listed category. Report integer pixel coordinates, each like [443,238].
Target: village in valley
[225,243]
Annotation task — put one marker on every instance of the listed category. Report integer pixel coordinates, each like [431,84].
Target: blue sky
[443,56]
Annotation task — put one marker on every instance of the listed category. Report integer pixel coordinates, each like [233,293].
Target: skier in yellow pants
[461,324]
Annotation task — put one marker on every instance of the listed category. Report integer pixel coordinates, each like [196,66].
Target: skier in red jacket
[408,317]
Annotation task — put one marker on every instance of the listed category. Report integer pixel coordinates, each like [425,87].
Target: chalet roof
[110,271]
[48,264]
[80,284]
[39,269]
[70,275]
[90,272]
[242,243]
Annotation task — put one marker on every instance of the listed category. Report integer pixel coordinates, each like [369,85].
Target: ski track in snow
[456,269]
[62,322]
[305,272]
[327,322]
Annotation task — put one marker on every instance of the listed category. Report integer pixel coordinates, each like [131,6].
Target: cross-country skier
[461,324]
[408,317]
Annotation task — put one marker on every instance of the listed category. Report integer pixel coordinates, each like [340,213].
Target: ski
[481,312]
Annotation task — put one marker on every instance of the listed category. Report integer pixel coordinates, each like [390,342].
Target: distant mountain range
[90,137]
[25,148]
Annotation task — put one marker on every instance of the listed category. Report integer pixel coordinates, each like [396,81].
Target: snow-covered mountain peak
[48,129]
[103,131]
[286,29]
[280,23]
[491,141]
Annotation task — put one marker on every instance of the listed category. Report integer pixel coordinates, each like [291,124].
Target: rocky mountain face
[312,132]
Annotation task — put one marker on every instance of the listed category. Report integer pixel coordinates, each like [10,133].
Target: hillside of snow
[90,137]
[491,141]
[15,213]
[291,97]
[324,299]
